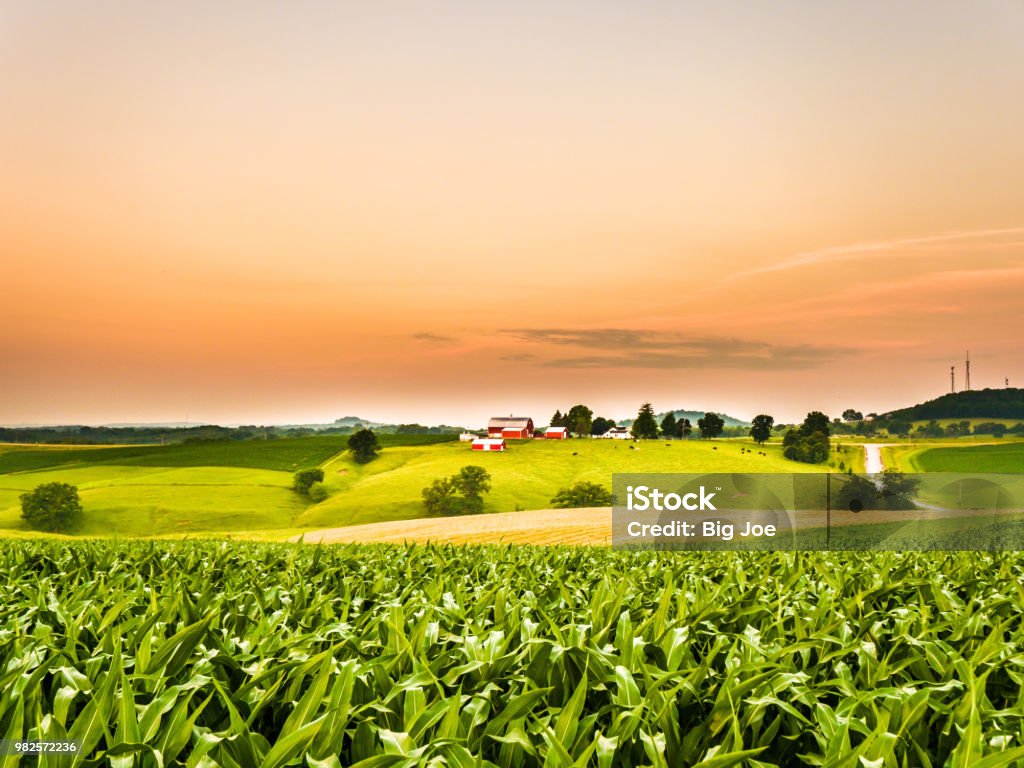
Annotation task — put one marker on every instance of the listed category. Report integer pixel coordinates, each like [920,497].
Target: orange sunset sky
[264,212]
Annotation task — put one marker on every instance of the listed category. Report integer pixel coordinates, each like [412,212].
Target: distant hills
[1007,403]
[730,421]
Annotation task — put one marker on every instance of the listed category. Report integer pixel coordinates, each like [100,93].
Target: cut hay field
[589,526]
[245,486]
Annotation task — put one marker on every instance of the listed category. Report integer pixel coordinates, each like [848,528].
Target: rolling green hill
[973,458]
[286,454]
[191,489]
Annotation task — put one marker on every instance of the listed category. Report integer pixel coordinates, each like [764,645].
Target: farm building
[618,433]
[556,433]
[467,437]
[488,444]
[511,427]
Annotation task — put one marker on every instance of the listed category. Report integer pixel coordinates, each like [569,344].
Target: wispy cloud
[631,348]
[878,247]
[434,338]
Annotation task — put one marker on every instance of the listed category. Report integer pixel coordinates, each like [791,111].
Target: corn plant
[244,655]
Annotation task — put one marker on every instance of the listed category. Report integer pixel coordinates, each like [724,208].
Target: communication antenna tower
[968,370]
[952,379]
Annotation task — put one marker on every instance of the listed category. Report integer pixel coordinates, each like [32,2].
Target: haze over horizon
[250,214]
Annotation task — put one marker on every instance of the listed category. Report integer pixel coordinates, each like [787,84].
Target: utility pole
[828,510]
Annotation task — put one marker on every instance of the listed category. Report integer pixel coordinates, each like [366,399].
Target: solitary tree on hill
[305,478]
[364,446]
[52,507]
[460,494]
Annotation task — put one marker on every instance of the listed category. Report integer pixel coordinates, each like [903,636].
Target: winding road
[873,463]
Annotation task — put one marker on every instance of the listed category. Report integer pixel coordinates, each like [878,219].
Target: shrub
[318,492]
[583,494]
[460,494]
[52,507]
[305,478]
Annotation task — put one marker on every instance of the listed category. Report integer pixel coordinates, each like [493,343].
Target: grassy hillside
[1008,457]
[525,477]
[286,454]
[126,493]
[246,655]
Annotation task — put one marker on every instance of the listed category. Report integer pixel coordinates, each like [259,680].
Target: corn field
[244,655]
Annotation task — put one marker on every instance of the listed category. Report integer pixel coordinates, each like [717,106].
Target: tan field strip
[582,527]
[592,525]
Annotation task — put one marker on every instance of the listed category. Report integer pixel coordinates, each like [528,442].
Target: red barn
[556,433]
[487,444]
[511,427]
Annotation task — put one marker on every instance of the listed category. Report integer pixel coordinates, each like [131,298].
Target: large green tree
[583,494]
[761,427]
[815,421]
[579,419]
[645,427]
[460,494]
[52,507]
[364,446]
[669,425]
[558,420]
[710,425]
[897,490]
[601,425]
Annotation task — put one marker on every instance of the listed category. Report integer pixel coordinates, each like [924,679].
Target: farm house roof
[512,422]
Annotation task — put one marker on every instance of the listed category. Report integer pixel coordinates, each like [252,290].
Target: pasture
[243,487]
[947,456]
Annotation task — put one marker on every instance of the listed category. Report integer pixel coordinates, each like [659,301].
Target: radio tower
[952,379]
[968,370]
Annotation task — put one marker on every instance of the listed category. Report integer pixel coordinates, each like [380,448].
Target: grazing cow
[714,447]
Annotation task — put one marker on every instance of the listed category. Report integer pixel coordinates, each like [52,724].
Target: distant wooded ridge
[85,435]
[730,421]
[1007,403]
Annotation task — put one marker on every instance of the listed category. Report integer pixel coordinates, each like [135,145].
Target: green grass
[1008,457]
[526,476]
[140,498]
[246,655]
[286,454]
